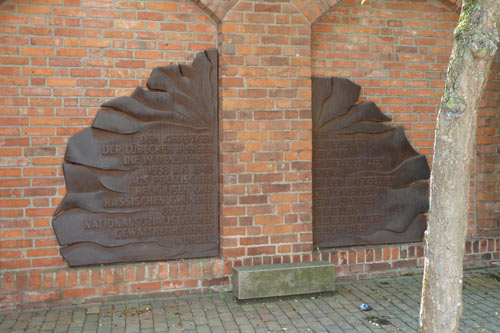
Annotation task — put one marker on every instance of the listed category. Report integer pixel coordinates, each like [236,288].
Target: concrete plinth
[283,280]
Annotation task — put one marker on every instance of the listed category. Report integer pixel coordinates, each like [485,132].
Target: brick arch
[217,9]
[398,54]
[406,81]
[314,10]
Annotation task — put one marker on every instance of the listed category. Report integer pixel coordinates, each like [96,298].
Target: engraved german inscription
[369,185]
[142,182]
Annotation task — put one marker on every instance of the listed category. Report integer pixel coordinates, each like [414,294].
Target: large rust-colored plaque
[369,185]
[142,182]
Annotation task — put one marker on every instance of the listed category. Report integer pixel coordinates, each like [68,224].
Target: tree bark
[476,39]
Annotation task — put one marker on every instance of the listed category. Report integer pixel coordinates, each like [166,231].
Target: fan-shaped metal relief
[142,182]
[369,185]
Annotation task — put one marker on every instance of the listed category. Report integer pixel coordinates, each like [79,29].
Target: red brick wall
[487,205]
[60,59]
[266,130]
[398,51]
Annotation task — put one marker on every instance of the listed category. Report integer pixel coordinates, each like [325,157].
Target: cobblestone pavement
[395,303]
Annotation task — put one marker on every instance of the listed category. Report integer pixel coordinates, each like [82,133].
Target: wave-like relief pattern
[142,182]
[369,185]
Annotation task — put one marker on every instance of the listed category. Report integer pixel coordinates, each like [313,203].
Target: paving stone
[246,328]
[93,310]
[7,324]
[48,326]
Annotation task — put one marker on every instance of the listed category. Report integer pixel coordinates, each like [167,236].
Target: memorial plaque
[142,182]
[369,185]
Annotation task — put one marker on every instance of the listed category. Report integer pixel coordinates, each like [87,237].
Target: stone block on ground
[283,279]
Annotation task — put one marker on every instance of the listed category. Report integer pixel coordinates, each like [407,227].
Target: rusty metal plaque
[369,185]
[142,182]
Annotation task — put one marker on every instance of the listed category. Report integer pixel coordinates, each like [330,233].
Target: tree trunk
[476,38]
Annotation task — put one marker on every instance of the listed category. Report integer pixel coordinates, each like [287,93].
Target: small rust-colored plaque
[142,182]
[369,185]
